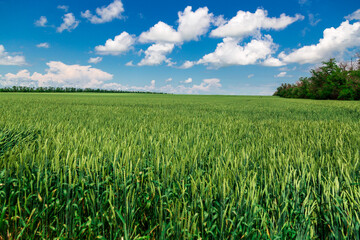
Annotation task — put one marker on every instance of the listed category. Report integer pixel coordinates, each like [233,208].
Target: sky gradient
[185,47]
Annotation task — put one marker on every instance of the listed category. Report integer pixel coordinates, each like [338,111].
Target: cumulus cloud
[156,54]
[69,23]
[194,24]
[229,52]
[63,7]
[187,64]
[335,40]
[189,80]
[150,87]
[95,60]
[286,69]
[251,75]
[114,86]
[7,59]
[206,86]
[59,75]
[119,45]
[354,16]
[282,74]
[117,86]
[105,13]
[160,32]
[272,62]
[21,78]
[247,23]
[41,22]
[219,21]
[191,26]
[43,45]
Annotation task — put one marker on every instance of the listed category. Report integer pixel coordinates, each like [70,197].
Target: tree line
[330,81]
[65,90]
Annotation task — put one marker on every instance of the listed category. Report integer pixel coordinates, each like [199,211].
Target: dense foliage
[331,81]
[142,166]
[66,89]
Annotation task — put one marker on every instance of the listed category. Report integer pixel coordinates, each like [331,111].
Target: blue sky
[191,47]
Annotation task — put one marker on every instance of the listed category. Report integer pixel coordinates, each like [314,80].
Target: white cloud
[59,75]
[69,23]
[254,89]
[219,21]
[229,52]
[6,59]
[118,86]
[22,78]
[43,45]
[192,25]
[150,87]
[160,32]
[189,80]
[105,13]
[119,45]
[114,86]
[187,64]
[63,7]
[282,74]
[169,62]
[354,16]
[207,85]
[313,19]
[130,64]
[272,62]
[21,74]
[63,75]
[251,75]
[95,60]
[286,69]
[168,80]
[156,54]
[41,22]
[247,23]
[335,40]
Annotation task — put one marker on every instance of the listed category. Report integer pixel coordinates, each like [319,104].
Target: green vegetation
[331,81]
[142,166]
[67,89]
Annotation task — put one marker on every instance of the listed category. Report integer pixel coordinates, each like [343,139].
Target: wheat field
[151,166]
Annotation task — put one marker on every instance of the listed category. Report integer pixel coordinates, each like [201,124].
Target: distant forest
[67,89]
[330,81]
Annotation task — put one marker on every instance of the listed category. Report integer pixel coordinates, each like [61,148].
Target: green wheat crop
[138,166]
